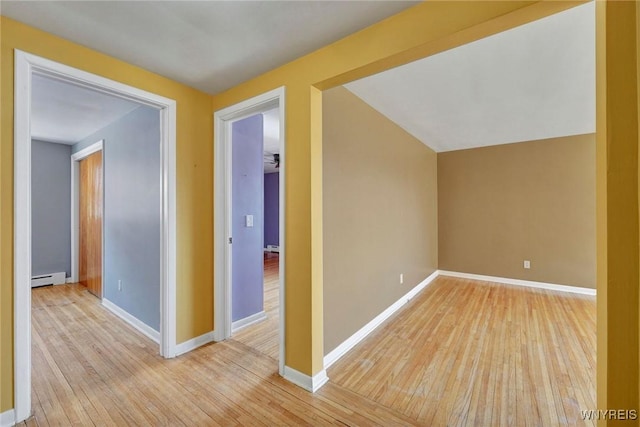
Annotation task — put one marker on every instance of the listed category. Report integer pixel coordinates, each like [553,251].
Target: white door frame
[25,66]
[75,208]
[223,120]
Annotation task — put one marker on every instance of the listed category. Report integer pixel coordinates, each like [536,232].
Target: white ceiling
[271,134]
[532,82]
[65,113]
[209,45]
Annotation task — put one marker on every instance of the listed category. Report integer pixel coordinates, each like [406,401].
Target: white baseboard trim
[7,418]
[70,280]
[363,332]
[146,330]
[194,343]
[308,383]
[248,321]
[519,282]
[217,335]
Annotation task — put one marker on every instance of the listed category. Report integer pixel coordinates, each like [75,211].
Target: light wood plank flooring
[461,353]
[89,368]
[474,353]
[263,336]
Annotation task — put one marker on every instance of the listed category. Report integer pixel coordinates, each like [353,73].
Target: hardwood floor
[460,353]
[263,336]
[90,368]
[474,353]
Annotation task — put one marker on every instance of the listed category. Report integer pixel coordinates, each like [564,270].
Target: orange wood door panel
[90,262]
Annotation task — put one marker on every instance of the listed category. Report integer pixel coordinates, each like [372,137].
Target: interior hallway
[90,368]
[461,353]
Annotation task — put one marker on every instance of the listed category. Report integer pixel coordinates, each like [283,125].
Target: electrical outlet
[119,285]
[401,278]
[527,264]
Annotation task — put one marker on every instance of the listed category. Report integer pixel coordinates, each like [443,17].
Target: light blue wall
[247,194]
[50,208]
[131,156]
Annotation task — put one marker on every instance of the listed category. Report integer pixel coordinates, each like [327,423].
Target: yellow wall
[617,205]
[418,32]
[194,181]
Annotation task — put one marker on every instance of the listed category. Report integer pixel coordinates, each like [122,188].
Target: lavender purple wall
[247,193]
[271,209]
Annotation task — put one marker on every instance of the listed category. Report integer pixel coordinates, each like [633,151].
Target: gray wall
[51,208]
[131,157]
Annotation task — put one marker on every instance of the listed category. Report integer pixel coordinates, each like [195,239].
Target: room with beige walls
[394,206]
[392,43]
[535,201]
[380,214]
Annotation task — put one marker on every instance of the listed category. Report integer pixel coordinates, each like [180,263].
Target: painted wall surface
[131,216]
[194,164]
[504,204]
[426,29]
[617,140]
[51,208]
[248,199]
[423,30]
[271,209]
[380,214]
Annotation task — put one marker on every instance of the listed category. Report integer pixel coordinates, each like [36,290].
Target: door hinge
[230,240]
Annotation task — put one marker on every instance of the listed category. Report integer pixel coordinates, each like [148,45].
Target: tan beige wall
[380,213]
[533,200]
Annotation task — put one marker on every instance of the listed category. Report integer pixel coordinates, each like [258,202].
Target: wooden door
[90,218]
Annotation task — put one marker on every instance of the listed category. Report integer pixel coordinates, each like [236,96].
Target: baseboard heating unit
[48,279]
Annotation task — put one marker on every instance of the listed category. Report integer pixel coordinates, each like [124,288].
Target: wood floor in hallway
[460,353]
[263,336]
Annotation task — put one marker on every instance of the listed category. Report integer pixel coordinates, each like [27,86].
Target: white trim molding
[248,321]
[133,321]
[25,66]
[519,282]
[7,418]
[194,343]
[311,384]
[223,120]
[87,151]
[363,332]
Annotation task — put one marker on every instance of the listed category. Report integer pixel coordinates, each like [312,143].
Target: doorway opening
[249,224]
[29,68]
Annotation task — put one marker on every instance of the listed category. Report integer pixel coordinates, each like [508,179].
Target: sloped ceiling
[532,82]
[65,113]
